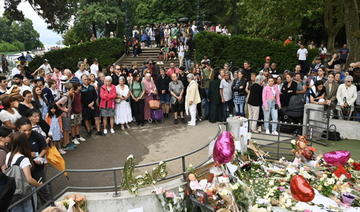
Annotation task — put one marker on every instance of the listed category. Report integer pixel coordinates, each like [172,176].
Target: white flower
[129,157]
[331,181]
[293,142]
[271,182]
[342,178]
[351,160]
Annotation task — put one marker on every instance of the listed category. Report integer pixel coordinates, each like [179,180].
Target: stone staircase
[147,53]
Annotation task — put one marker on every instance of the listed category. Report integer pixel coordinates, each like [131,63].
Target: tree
[352,27]
[56,13]
[20,34]
[333,20]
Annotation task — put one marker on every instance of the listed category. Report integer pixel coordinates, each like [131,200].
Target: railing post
[183,166]
[116,194]
[278,140]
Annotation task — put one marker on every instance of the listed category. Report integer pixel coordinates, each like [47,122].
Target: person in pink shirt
[172,70]
[56,76]
[271,105]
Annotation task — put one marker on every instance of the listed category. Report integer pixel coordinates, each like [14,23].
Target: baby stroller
[292,114]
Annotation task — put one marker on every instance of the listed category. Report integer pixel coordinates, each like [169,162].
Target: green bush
[106,50]
[239,48]
[8,47]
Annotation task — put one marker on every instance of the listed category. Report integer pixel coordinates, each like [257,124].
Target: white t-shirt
[78,74]
[47,68]
[218,29]
[94,69]
[15,71]
[24,163]
[25,88]
[227,89]
[302,53]
[6,116]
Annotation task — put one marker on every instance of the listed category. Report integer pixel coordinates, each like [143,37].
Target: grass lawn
[350,145]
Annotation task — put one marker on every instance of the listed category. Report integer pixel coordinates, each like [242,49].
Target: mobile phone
[39,180]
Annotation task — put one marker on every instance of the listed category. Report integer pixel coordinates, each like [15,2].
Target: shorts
[89,114]
[165,98]
[107,112]
[76,119]
[178,107]
[66,123]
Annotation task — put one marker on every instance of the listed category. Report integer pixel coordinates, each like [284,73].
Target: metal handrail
[113,169]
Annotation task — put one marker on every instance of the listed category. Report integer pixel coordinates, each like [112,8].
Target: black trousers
[43,194]
[138,111]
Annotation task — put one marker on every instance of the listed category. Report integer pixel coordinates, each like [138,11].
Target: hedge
[239,48]
[106,50]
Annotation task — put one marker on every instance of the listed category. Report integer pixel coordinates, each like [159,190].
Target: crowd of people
[48,106]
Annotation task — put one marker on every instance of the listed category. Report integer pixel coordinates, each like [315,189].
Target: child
[53,119]
[76,115]
[64,104]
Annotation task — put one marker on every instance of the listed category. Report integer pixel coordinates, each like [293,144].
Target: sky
[47,37]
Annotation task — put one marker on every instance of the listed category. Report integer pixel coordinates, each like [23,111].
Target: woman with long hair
[20,153]
[40,101]
[271,105]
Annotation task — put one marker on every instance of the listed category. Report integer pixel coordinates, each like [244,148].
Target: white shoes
[63,152]
[105,131]
[75,141]
[275,133]
[191,124]
[267,132]
[112,131]
[81,139]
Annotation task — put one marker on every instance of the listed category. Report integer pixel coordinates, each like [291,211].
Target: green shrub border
[239,48]
[106,50]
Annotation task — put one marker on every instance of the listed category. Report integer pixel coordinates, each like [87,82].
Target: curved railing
[115,187]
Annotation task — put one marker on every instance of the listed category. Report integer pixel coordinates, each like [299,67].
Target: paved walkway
[151,143]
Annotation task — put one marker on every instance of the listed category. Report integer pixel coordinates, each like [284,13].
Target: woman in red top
[107,103]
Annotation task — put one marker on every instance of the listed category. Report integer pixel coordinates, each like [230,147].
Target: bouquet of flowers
[73,203]
[170,201]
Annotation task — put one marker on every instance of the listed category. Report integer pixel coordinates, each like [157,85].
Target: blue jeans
[227,109]
[25,206]
[239,108]
[205,105]
[187,64]
[274,116]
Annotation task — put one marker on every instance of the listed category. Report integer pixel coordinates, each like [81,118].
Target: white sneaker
[112,131]
[75,141]
[259,129]
[267,132]
[63,152]
[275,133]
[191,124]
[81,139]
[105,131]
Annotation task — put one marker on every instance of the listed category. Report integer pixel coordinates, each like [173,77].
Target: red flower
[356,166]
[342,171]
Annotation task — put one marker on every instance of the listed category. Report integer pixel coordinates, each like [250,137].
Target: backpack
[23,188]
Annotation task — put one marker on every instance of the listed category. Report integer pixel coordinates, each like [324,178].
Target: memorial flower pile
[317,183]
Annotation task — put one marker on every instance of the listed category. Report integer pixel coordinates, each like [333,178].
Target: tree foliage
[18,35]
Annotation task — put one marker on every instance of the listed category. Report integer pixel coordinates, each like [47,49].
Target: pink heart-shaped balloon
[224,148]
[336,158]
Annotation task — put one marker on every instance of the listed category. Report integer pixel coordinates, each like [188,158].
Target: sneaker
[105,131]
[81,139]
[112,131]
[176,121]
[72,145]
[183,120]
[63,152]
[259,129]
[191,124]
[275,133]
[267,132]
[99,133]
[68,147]
[75,141]
[89,133]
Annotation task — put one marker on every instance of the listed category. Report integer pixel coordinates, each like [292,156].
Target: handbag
[331,133]
[154,104]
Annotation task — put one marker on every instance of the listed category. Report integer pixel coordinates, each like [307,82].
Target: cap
[63,79]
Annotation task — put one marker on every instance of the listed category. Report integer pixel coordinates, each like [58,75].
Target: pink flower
[169,195]
[281,188]
[159,191]
[307,210]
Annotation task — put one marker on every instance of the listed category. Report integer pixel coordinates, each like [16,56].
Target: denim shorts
[165,98]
